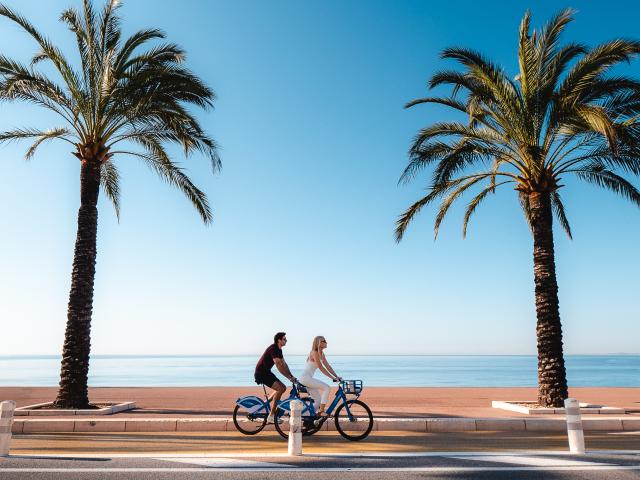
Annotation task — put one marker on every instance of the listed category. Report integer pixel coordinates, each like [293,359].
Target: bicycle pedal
[320,420]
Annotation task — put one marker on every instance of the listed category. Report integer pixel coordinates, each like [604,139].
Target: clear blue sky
[313,139]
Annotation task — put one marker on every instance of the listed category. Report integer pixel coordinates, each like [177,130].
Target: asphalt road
[384,455]
[461,465]
[380,442]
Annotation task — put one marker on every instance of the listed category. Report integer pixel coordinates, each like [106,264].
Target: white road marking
[323,454]
[225,462]
[529,460]
[315,469]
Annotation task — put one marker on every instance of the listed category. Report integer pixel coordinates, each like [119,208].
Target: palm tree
[563,114]
[125,99]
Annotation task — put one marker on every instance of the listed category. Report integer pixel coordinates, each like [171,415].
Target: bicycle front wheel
[248,423]
[356,423]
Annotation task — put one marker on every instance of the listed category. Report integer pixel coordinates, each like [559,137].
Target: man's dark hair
[278,336]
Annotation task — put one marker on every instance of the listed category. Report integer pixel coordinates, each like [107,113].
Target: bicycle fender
[251,403]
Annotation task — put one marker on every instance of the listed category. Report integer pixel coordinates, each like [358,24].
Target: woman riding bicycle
[317,388]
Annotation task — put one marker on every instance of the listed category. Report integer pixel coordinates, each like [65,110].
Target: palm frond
[550,34]
[110,182]
[597,120]
[558,209]
[48,49]
[132,43]
[405,219]
[449,102]
[60,132]
[598,175]
[451,198]
[109,22]
[592,65]
[25,133]
[477,200]
[157,159]
[74,22]
[422,158]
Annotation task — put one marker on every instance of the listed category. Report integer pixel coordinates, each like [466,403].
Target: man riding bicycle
[263,374]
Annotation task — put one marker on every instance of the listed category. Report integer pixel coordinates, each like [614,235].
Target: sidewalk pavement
[418,409]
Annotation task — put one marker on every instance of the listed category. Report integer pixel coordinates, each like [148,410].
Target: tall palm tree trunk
[552,378]
[73,391]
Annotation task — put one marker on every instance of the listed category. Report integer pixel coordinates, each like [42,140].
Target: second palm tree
[562,114]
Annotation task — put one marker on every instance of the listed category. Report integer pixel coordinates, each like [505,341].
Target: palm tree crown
[562,114]
[121,95]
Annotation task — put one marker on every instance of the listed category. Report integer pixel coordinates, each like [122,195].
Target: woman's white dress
[317,388]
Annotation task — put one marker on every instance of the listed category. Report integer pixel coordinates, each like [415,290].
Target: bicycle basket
[353,387]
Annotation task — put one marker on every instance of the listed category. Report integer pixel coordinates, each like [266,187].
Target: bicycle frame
[309,409]
[340,397]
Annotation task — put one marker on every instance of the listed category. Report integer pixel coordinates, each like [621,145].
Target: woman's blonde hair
[315,346]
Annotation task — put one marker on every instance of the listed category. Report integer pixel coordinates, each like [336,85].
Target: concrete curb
[36,410]
[585,409]
[434,425]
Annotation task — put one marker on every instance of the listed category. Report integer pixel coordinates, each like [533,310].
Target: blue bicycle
[353,418]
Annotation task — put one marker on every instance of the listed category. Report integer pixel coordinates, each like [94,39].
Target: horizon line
[257,354]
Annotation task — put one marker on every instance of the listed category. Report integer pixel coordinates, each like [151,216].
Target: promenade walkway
[413,402]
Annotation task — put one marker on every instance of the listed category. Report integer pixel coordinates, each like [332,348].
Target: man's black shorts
[266,378]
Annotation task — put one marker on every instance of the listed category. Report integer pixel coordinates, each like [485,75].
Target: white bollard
[6,421]
[295,428]
[574,426]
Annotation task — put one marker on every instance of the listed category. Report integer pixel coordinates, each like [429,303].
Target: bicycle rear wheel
[249,423]
[356,424]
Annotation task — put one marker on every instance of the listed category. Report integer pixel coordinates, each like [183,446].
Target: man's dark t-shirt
[266,362]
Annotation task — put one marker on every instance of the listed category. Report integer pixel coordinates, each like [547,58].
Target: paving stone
[353,426]
[605,424]
[545,424]
[99,425]
[631,424]
[17,426]
[410,425]
[202,425]
[451,424]
[45,426]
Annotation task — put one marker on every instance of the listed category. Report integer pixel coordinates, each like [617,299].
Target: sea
[384,371]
